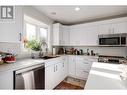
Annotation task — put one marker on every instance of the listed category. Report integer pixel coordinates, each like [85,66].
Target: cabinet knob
[20,36]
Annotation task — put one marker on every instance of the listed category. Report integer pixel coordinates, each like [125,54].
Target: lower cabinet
[79,66]
[55,73]
[71,65]
[6,80]
[83,67]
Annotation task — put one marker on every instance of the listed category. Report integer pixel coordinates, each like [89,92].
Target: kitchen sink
[48,57]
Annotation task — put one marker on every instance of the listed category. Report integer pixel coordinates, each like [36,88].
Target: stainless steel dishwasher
[32,77]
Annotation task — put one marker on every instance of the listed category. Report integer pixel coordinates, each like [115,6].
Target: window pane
[43,33]
[30,31]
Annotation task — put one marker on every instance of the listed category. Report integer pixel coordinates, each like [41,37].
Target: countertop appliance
[113,39]
[112,59]
[32,77]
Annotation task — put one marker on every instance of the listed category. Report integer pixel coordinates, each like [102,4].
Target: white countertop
[21,63]
[105,76]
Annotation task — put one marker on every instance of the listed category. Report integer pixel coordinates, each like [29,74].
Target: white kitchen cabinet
[77,36]
[60,34]
[6,80]
[11,30]
[79,66]
[65,35]
[55,73]
[90,36]
[64,67]
[57,34]
[113,28]
[121,27]
[105,29]
[71,66]
[84,36]
[82,67]
[50,77]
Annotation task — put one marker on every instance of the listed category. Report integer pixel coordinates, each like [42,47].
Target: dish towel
[29,80]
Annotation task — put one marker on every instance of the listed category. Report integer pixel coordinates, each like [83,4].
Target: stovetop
[111,56]
[112,59]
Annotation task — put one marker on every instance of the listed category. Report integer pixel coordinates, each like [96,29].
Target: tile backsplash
[112,51]
[10,47]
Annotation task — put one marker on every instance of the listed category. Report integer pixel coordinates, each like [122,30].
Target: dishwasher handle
[28,69]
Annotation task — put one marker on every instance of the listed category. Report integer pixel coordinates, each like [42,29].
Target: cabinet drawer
[82,74]
[84,64]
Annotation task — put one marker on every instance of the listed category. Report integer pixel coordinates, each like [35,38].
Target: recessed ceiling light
[77,9]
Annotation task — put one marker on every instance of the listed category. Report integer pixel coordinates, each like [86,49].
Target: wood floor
[67,86]
[71,83]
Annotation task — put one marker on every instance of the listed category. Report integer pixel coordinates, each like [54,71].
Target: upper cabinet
[87,34]
[76,36]
[105,29]
[84,36]
[11,30]
[60,34]
[113,28]
[121,27]
[57,34]
[90,36]
[65,35]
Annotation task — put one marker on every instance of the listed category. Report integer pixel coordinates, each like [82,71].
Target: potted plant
[35,45]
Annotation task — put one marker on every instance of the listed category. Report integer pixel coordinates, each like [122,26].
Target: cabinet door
[121,27]
[65,35]
[75,36]
[50,77]
[56,34]
[64,67]
[6,80]
[58,73]
[82,67]
[11,30]
[90,36]
[72,65]
[105,29]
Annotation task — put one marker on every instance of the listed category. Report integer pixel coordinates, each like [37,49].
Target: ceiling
[67,14]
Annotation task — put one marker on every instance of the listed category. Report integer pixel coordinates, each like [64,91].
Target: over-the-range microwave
[113,39]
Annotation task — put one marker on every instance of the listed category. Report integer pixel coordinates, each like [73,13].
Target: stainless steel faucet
[43,44]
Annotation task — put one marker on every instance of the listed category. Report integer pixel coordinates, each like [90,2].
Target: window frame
[37,33]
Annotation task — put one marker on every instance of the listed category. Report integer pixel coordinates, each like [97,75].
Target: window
[30,31]
[43,34]
[34,30]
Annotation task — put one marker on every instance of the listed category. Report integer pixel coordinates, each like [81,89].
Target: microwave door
[109,41]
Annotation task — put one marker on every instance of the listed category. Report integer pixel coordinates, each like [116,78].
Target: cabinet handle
[20,36]
[63,64]
[54,68]
[85,62]
[85,71]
